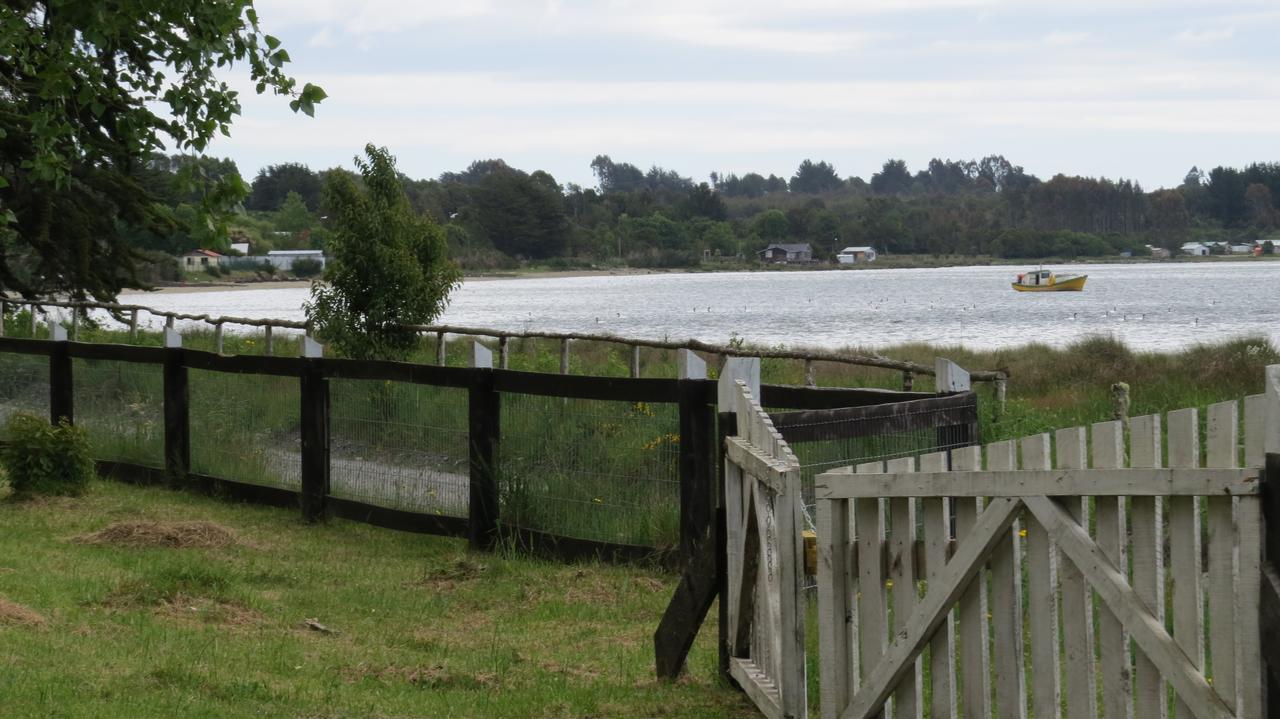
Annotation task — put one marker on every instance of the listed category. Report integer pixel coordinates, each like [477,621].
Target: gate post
[746,369]
[696,467]
[1270,599]
[483,424]
[177,421]
[315,433]
[61,396]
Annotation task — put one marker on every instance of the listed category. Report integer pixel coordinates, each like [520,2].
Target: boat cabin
[1035,277]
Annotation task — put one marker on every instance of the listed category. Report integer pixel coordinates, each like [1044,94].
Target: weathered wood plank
[869,522]
[1042,595]
[936,523]
[1255,425]
[1113,642]
[1193,691]
[791,626]
[1077,602]
[762,691]
[1223,435]
[1184,546]
[756,463]
[1062,482]
[834,612]
[1248,627]
[930,614]
[902,573]
[1006,603]
[971,613]
[1147,521]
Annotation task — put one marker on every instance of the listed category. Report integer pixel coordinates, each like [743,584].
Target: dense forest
[497,216]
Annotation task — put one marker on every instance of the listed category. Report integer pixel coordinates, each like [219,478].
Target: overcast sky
[1115,88]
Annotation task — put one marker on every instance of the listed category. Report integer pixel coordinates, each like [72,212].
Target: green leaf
[272,41]
[314,92]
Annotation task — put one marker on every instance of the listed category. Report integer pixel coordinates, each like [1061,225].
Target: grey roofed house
[781,252]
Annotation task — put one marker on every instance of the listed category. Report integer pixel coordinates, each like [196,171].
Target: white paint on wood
[1006,604]
[903,575]
[868,519]
[930,614]
[57,332]
[1184,545]
[1255,430]
[1195,696]
[172,338]
[1042,595]
[1248,630]
[971,613]
[1113,641]
[834,612]
[1271,389]
[1187,482]
[936,524]
[745,369]
[690,365]
[481,356]
[311,348]
[1077,606]
[1147,521]
[950,377]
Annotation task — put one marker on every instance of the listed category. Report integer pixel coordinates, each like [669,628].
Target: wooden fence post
[4,311]
[133,325]
[635,360]
[504,353]
[440,349]
[564,356]
[746,369]
[33,320]
[177,404]
[61,393]
[908,380]
[701,529]
[484,430]
[269,345]
[75,324]
[217,337]
[315,433]
[810,380]
[1270,600]
[950,378]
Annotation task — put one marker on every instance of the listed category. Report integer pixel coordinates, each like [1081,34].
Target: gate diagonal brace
[1134,615]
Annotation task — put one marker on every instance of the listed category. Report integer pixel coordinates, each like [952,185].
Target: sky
[1140,89]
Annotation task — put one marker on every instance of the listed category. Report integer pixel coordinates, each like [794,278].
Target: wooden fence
[809,356]
[1037,586]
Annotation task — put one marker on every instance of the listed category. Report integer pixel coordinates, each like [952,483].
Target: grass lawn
[419,626]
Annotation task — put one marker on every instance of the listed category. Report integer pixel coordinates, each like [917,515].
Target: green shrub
[306,267]
[40,458]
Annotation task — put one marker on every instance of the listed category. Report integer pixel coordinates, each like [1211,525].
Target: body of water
[1149,306]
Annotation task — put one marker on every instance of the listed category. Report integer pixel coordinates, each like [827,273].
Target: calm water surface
[1154,307]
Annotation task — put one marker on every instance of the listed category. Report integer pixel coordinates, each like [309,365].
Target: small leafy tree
[41,458]
[388,267]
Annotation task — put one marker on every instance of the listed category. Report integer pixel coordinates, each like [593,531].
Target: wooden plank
[971,613]
[1064,482]
[441,349]
[1255,427]
[1184,545]
[795,397]
[1248,626]
[1113,643]
[1042,595]
[930,614]
[484,417]
[867,421]
[1077,601]
[314,440]
[1194,693]
[734,558]
[937,540]
[755,463]
[115,353]
[834,612]
[1147,523]
[746,369]
[611,389]
[684,614]
[868,519]
[696,482]
[1222,442]
[761,690]
[177,416]
[1006,604]
[742,611]
[792,623]
[903,575]
[950,377]
[1271,390]
[387,371]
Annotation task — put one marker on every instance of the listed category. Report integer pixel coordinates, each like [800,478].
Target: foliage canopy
[388,267]
[90,90]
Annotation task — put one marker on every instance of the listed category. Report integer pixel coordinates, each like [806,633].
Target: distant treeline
[495,215]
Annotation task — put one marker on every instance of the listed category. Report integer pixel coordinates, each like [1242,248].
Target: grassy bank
[418,626]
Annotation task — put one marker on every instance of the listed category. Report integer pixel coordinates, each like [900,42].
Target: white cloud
[1204,37]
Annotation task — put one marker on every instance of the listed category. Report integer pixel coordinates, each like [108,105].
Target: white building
[854,255]
[284,259]
[1197,249]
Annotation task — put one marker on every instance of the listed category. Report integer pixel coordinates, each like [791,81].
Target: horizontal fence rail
[908,369]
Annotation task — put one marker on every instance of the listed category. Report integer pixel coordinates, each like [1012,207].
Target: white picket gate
[765,563]
[971,589]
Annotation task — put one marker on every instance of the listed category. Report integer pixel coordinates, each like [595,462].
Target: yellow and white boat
[1048,281]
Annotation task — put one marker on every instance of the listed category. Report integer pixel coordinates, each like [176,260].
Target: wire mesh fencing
[598,470]
[24,385]
[245,427]
[121,407]
[400,446]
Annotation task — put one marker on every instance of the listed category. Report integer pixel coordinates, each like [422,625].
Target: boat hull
[1075,284]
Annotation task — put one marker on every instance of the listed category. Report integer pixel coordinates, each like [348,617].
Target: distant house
[284,259]
[200,259]
[1196,249]
[784,253]
[1242,249]
[854,255]
[1159,253]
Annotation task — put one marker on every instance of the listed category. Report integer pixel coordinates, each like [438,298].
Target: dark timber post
[315,433]
[697,467]
[1270,599]
[484,431]
[177,421]
[61,396]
